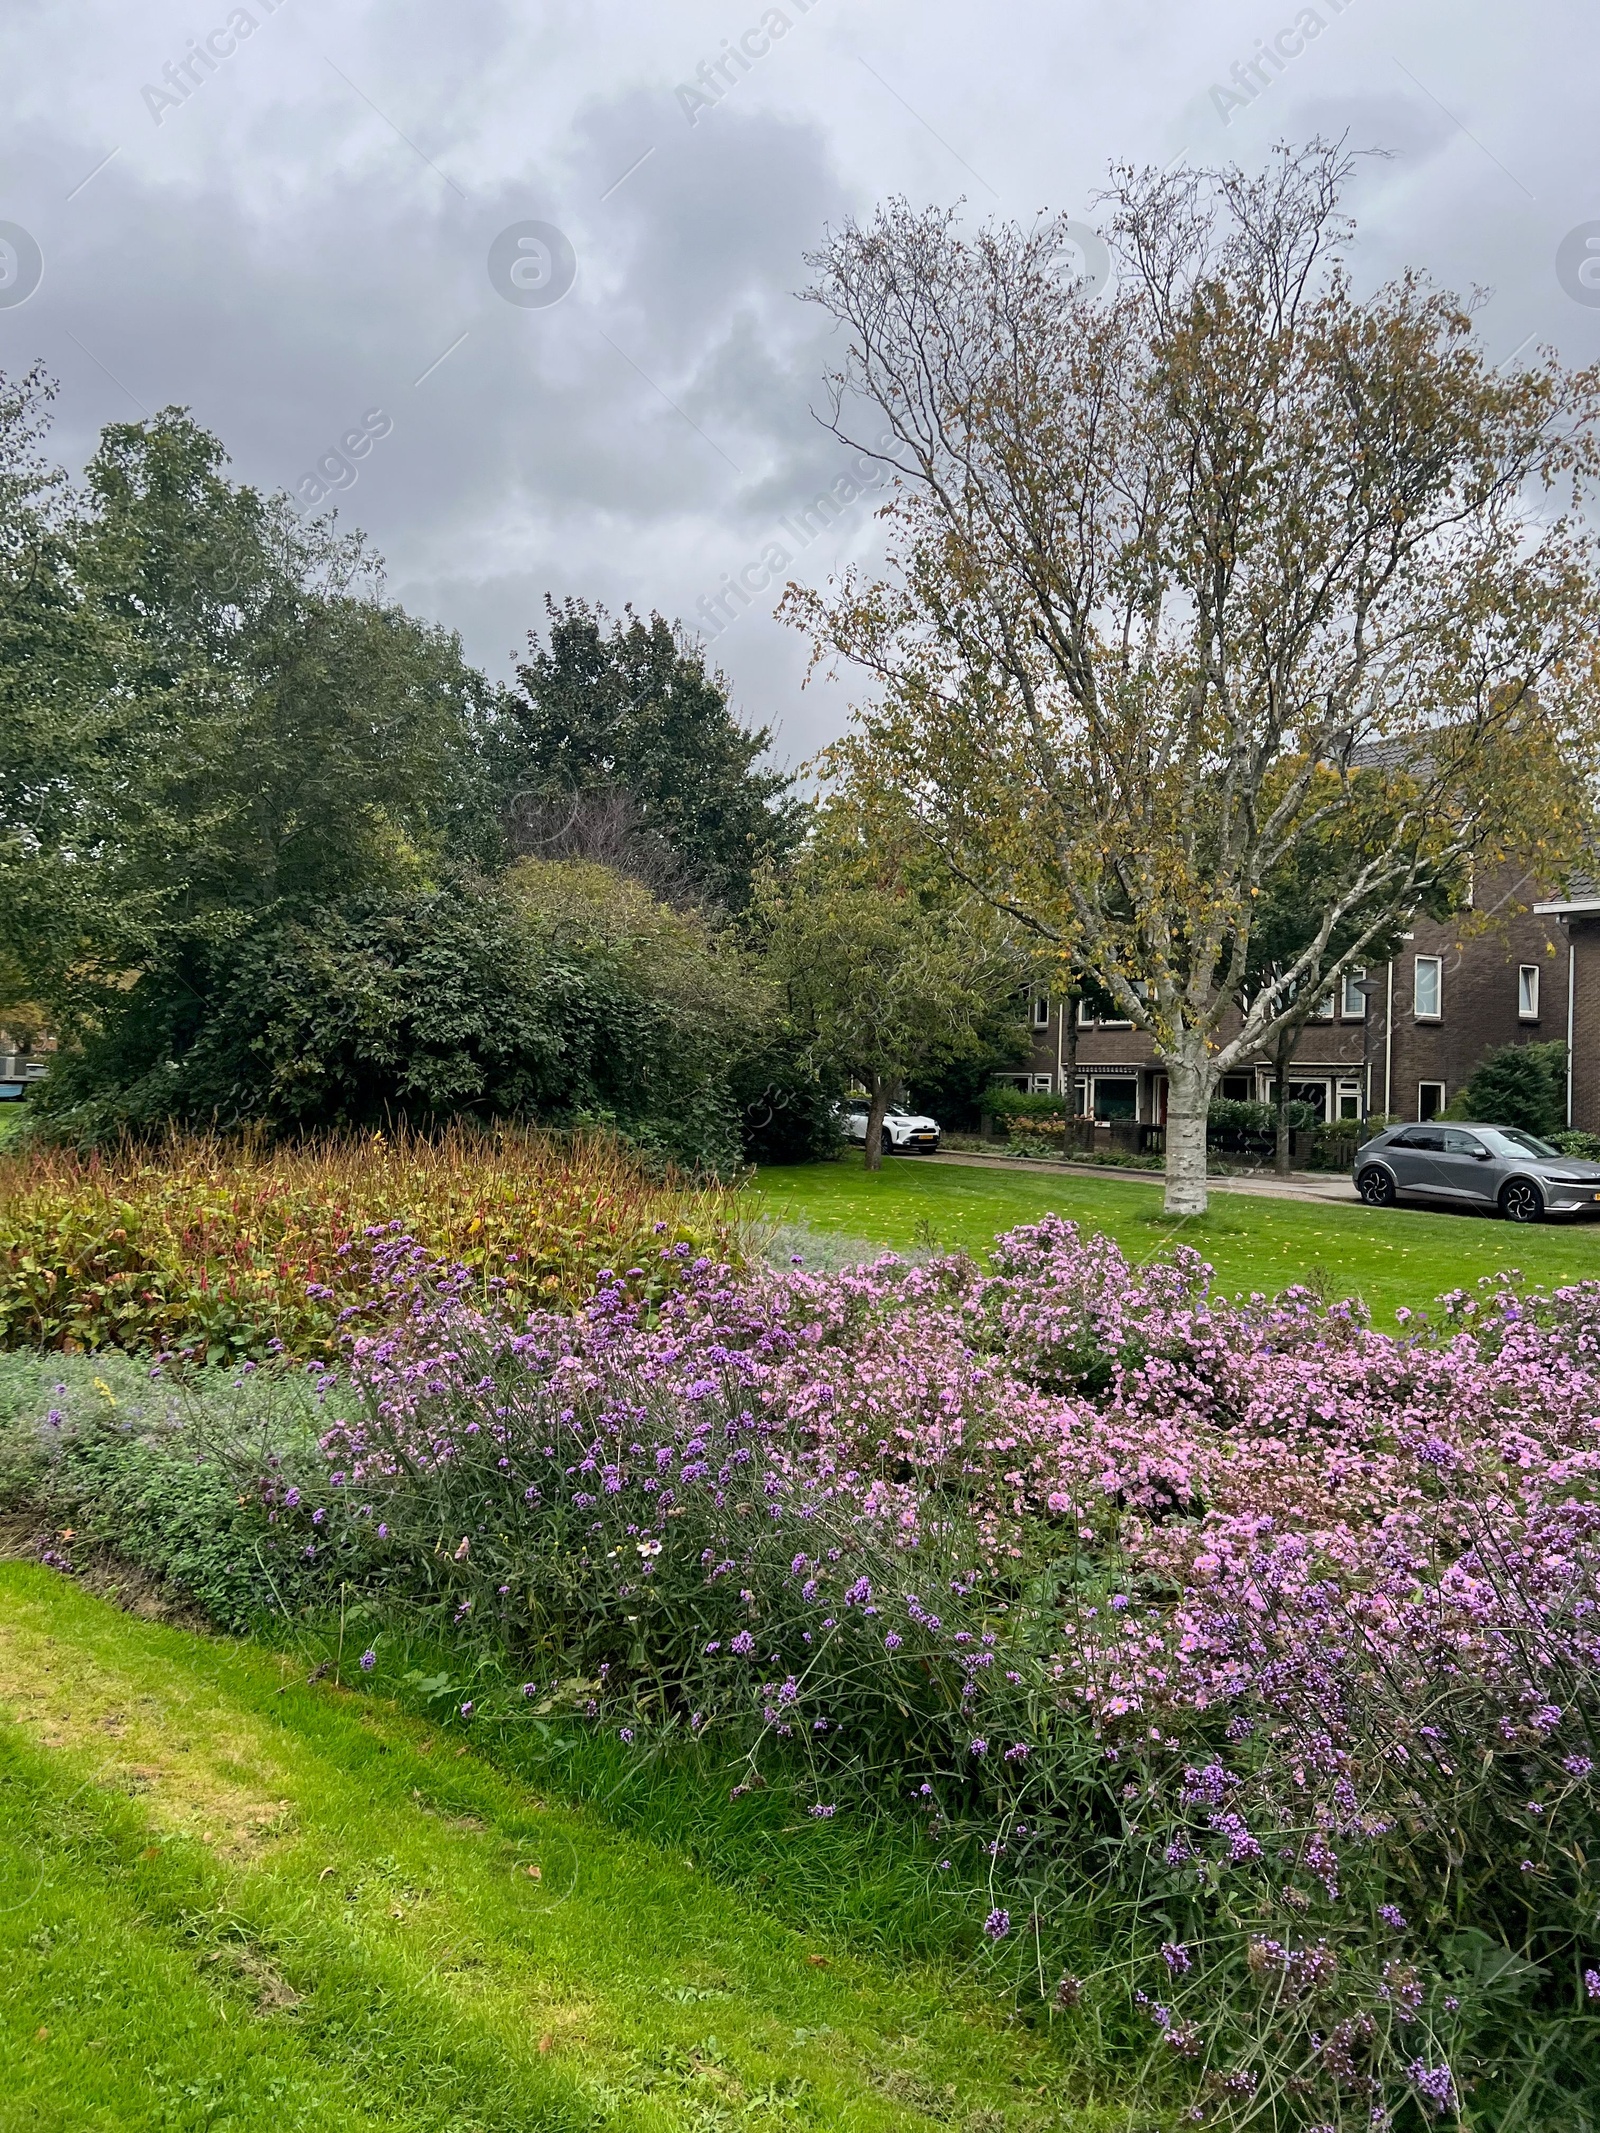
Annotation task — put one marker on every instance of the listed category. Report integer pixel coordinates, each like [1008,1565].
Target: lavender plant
[1244,1658]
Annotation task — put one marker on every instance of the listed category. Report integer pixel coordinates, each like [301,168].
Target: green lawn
[1393,1257]
[233,1899]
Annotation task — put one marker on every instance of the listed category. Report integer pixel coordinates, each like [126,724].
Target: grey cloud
[277,255]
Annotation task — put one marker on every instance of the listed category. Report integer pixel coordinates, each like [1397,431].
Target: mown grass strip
[310,1866]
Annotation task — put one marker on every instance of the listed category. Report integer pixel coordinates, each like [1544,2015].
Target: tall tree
[1168,565]
[246,732]
[628,707]
[47,688]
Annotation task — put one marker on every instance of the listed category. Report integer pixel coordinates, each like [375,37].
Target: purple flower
[823,1814]
[891,1642]
[1434,2084]
[998,1924]
[1176,1957]
[625,1733]
[369,1660]
[744,1644]
[1392,1917]
[466,1708]
[1591,1984]
[978,1747]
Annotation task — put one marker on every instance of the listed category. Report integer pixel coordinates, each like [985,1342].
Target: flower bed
[1249,1653]
[228,1248]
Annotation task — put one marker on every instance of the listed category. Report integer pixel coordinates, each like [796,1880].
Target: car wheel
[1522,1201]
[1376,1187]
[885,1143]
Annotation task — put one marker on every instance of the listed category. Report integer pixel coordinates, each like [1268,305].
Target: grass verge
[1391,1258]
[230,1898]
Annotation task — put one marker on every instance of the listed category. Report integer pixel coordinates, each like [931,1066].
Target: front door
[1465,1169]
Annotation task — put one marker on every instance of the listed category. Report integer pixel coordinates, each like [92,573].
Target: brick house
[1532,975]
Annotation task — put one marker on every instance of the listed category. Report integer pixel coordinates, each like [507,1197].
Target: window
[1353,1006]
[1314,1093]
[1088,1019]
[1325,1008]
[1463,1144]
[1041,1010]
[1039,1084]
[1427,992]
[1349,1099]
[1430,1096]
[1528,993]
[1116,1099]
[1431,1143]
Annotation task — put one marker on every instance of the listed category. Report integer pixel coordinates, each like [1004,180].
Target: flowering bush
[1250,1645]
[226,1247]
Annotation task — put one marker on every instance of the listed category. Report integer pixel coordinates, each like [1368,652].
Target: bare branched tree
[601,826]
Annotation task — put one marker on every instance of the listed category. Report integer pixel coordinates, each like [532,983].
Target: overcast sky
[299,237]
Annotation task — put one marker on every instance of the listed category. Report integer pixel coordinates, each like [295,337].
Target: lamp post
[1369,988]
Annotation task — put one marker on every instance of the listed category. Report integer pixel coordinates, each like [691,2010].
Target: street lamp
[1369,989]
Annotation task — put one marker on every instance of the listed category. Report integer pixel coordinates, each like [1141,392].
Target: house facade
[1516,967]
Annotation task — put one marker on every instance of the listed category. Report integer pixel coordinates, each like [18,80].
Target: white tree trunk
[1190,1079]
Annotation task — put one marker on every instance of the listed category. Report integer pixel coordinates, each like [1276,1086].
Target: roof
[1581,899]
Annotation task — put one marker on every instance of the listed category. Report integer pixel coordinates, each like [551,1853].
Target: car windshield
[1511,1140]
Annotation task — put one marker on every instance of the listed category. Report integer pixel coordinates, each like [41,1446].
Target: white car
[903,1131]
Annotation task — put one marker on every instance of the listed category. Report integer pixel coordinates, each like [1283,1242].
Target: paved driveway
[1323,1185]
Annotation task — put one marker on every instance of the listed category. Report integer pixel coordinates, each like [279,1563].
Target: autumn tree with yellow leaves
[1185,574]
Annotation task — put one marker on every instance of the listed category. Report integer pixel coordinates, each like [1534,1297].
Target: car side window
[1462,1144]
[1420,1137]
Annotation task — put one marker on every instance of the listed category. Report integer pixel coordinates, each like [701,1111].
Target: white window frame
[1041,1084]
[1435,963]
[1324,1011]
[1041,1010]
[1527,992]
[1120,1081]
[1357,1013]
[1088,1019]
[1347,1092]
[1443,1089]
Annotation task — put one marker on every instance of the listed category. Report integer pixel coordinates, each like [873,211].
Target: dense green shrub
[418,1006]
[1229,1115]
[1519,1085]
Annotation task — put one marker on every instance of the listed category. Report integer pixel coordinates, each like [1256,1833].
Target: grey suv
[1476,1166]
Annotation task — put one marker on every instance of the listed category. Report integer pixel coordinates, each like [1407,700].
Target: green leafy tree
[48,683]
[626,706]
[240,731]
[1287,917]
[885,980]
